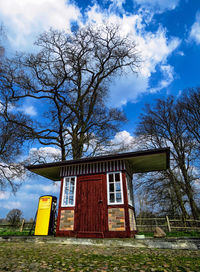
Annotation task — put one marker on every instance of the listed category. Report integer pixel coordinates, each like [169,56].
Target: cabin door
[89,204]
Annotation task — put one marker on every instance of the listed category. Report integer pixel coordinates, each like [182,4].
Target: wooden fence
[22,226]
[143,224]
[167,224]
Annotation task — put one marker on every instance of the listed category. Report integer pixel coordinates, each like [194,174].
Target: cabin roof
[139,161]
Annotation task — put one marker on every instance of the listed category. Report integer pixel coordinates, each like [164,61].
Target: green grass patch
[59,257]
[177,234]
[14,232]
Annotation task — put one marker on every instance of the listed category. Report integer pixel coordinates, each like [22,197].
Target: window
[115,195]
[129,190]
[69,188]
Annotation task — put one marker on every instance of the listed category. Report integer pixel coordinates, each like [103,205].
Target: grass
[57,257]
[177,234]
[14,232]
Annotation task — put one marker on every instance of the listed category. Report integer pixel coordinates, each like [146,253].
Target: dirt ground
[22,256]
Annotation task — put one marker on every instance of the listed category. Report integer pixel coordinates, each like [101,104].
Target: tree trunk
[193,206]
[77,148]
[177,191]
[189,193]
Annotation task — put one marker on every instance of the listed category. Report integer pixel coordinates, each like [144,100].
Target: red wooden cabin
[96,198]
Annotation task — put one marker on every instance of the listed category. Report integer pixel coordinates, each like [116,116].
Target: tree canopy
[70,75]
[165,124]
[14,217]
[12,136]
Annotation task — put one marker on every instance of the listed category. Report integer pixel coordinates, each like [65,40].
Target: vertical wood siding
[92,168]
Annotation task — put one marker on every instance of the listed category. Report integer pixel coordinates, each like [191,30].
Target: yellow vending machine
[45,215]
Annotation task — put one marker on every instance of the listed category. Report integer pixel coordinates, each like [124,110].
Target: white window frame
[63,192]
[108,191]
[128,192]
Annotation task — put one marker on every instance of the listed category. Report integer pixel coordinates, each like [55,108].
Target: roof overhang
[139,162]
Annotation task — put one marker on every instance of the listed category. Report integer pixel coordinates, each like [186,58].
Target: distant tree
[160,126]
[70,75]
[163,193]
[14,217]
[2,220]
[190,104]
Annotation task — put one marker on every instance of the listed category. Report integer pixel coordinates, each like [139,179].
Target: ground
[15,256]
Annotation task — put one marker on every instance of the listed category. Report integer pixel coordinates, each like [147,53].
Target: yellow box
[43,215]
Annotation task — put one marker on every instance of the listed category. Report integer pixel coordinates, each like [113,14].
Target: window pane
[69,191]
[111,187]
[65,201]
[71,199]
[117,177]
[112,198]
[67,183]
[71,188]
[66,190]
[111,178]
[72,181]
[117,187]
[118,197]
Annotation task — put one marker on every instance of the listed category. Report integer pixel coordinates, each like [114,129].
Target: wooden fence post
[168,223]
[22,225]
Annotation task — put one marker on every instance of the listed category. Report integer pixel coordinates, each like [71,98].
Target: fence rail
[143,224]
[167,224]
[22,226]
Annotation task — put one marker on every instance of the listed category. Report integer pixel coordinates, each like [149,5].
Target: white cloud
[12,171]
[27,197]
[181,53]
[179,93]
[25,108]
[24,19]
[9,205]
[158,5]
[195,30]
[168,72]
[28,110]
[154,49]
[116,5]
[4,195]
[51,188]
[128,88]
[44,155]
[124,141]
[123,137]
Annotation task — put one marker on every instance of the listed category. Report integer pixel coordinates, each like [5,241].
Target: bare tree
[14,217]
[190,104]
[163,193]
[70,75]
[12,136]
[12,139]
[161,126]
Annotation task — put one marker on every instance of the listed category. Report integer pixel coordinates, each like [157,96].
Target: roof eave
[52,170]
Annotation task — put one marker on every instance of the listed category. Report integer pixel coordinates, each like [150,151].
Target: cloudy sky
[167,34]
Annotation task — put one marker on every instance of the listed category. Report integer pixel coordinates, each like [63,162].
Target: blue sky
[167,34]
